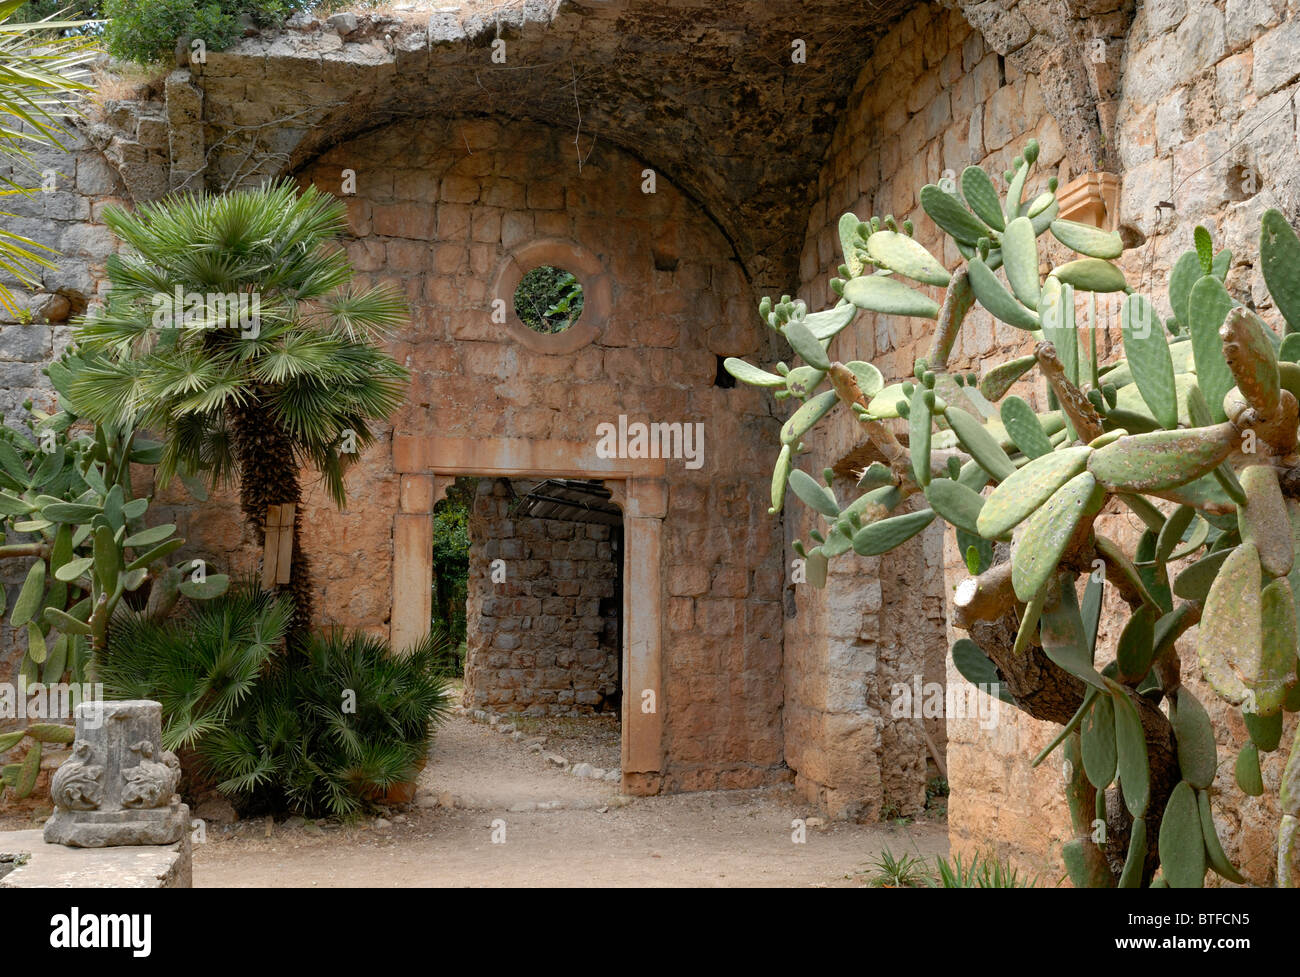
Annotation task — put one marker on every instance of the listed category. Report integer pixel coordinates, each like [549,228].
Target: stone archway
[428,465]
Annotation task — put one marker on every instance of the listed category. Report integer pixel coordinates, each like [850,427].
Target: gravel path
[723,838]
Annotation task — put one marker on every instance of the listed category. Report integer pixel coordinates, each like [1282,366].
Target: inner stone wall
[440,205]
[542,637]
[880,621]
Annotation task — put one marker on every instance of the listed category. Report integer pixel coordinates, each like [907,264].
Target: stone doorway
[428,465]
[544,599]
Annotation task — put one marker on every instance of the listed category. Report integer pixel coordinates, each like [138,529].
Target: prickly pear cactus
[1194,430]
[67,498]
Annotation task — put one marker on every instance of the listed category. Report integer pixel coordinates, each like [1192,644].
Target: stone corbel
[1091,198]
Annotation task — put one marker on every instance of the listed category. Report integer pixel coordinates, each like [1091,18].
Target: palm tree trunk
[268,475]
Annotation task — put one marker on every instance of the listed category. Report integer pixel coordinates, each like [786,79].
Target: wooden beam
[284,565]
[271,547]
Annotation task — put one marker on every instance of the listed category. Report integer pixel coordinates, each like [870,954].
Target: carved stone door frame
[428,465]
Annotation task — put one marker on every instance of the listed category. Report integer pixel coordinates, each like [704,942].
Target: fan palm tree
[232,332]
[39,73]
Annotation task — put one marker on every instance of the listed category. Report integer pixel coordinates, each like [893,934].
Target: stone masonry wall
[439,206]
[543,641]
[885,618]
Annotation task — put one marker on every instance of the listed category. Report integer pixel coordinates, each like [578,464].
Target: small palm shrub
[326,736]
[232,332]
[332,735]
[202,667]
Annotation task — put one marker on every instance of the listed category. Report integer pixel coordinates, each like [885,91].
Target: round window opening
[548,300]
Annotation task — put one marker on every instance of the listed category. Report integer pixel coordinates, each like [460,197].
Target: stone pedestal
[118,787]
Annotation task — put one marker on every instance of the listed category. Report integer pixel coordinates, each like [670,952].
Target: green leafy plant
[325,736]
[548,299]
[1194,431]
[451,545]
[21,777]
[333,736]
[67,495]
[201,667]
[40,74]
[903,872]
[231,332]
[146,31]
[979,872]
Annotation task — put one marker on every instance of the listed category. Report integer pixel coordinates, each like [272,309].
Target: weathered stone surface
[54,866]
[118,786]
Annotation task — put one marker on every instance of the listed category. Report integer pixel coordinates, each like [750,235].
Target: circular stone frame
[597,293]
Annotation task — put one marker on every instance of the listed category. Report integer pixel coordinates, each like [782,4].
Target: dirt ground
[725,838]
